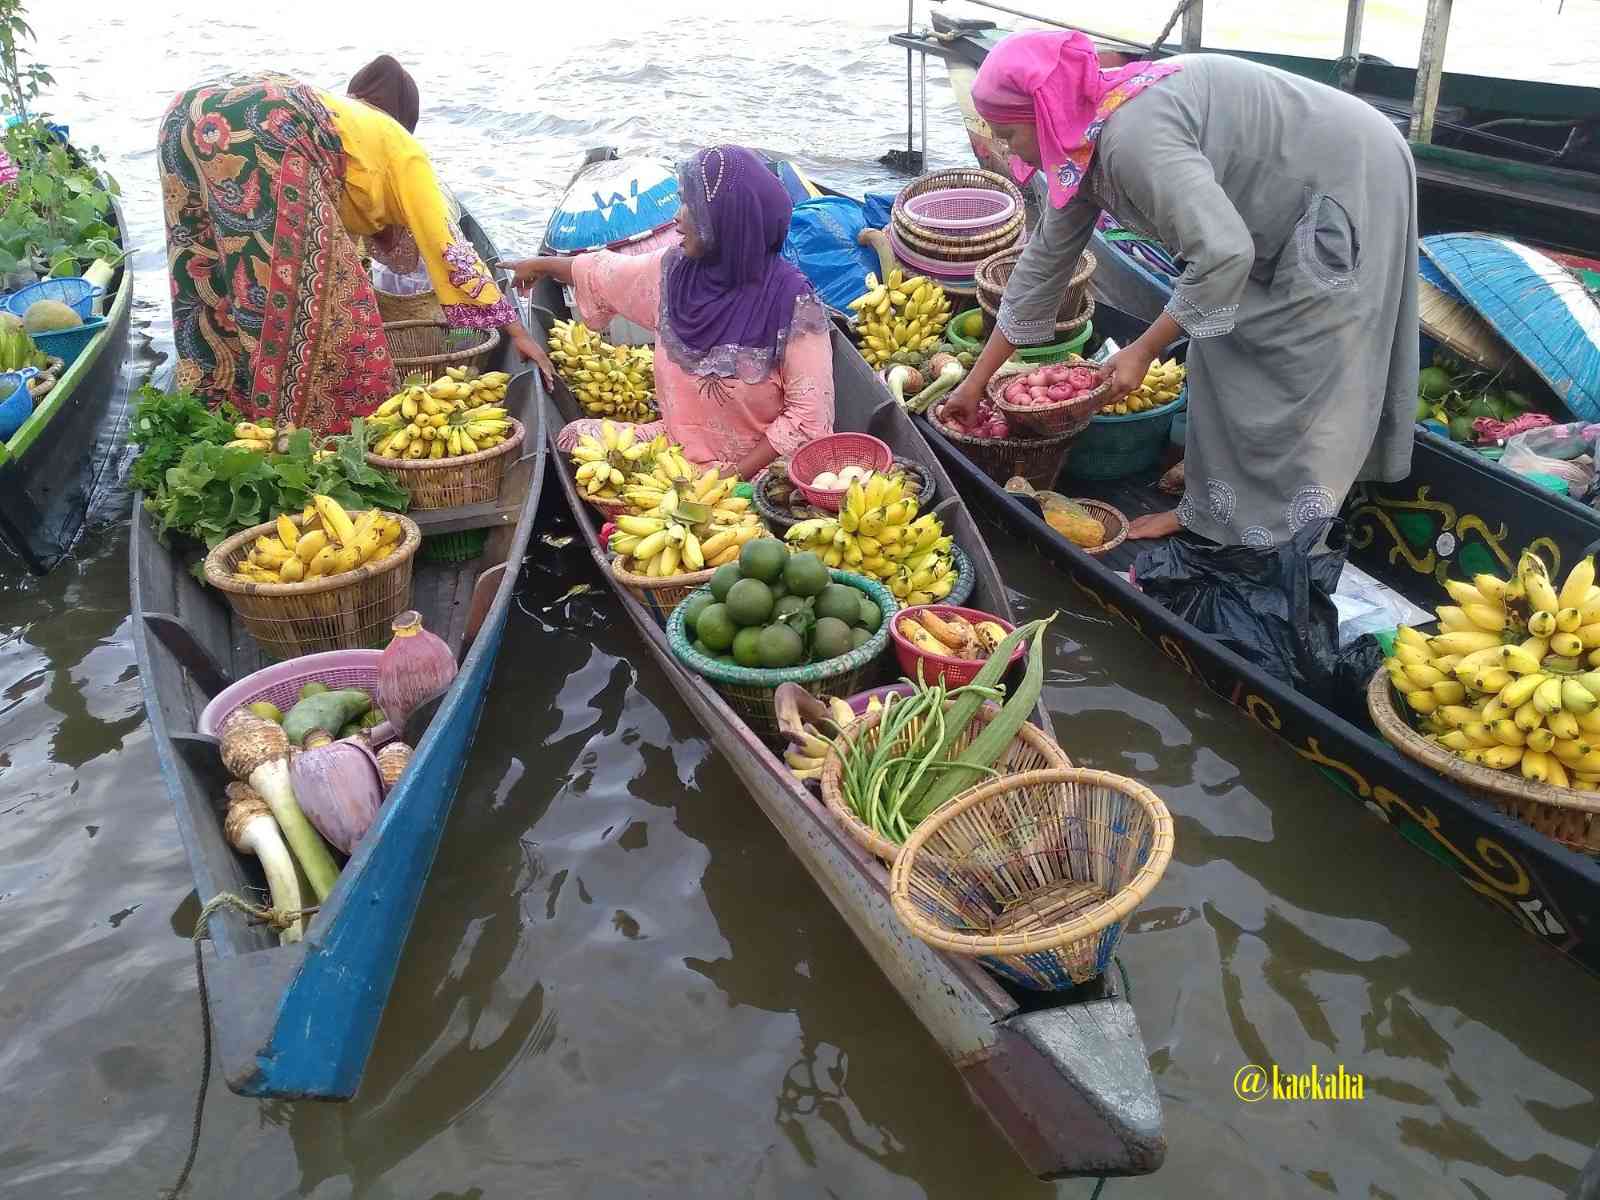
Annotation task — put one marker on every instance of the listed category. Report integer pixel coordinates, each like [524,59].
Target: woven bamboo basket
[660,594]
[350,611]
[449,482]
[748,690]
[994,272]
[959,177]
[1038,460]
[419,306]
[425,346]
[1031,750]
[1035,875]
[778,516]
[957,248]
[1563,815]
[1115,523]
[1068,418]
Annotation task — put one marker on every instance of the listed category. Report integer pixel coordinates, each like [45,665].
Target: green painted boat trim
[81,366]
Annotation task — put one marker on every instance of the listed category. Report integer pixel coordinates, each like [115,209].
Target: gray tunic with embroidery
[1295,208]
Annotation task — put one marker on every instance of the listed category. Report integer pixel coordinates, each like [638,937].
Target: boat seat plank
[204,669]
[487,515]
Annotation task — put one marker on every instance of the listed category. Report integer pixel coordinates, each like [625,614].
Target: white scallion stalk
[250,829]
[256,751]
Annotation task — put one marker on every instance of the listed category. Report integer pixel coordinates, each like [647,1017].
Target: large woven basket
[418,306]
[449,482]
[1068,418]
[748,690]
[1564,815]
[994,272]
[956,247]
[1035,875]
[1038,460]
[660,593]
[778,516]
[349,611]
[1031,750]
[932,237]
[426,346]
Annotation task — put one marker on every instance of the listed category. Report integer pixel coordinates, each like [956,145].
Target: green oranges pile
[772,609]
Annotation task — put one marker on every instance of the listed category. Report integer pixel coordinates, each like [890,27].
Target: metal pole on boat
[924,163]
[1351,60]
[1430,69]
[911,8]
[1116,38]
[1191,27]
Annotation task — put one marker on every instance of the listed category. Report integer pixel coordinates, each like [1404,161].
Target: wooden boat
[1501,155]
[1456,513]
[298,1021]
[1065,1077]
[52,464]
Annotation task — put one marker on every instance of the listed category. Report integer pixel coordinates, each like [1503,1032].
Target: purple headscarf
[728,312]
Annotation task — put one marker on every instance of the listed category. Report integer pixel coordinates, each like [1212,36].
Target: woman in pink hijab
[1294,207]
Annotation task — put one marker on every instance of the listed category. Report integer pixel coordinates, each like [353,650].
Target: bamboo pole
[1191,27]
[1350,62]
[1430,69]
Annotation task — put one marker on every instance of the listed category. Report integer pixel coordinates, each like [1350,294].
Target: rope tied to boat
[258,915]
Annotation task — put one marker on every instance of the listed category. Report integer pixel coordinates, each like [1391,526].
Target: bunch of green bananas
[609,381]
[1511,679]
[878,533]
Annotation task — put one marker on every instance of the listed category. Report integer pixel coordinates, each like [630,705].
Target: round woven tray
[1036,459]
[779,517]
[348,611]
[1030,750]
[1035,875]
[1564,815]
[748,690]
[1066,418]
[660,593]
[994,272]
[425,346]
[1115,522]
[448,482]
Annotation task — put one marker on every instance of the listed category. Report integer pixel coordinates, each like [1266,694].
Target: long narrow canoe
[298,1021]
[1456,513]
[1065,1078]
[50,467]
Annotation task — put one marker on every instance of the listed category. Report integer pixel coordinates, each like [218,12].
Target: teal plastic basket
[67,344]
[1114,446]
[749,690]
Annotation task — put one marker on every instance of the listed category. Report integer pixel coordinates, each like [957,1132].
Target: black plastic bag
[1271,605]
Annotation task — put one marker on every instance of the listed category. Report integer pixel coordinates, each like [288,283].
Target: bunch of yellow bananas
[1511,680]
[324,541]
[609,381]
[1162,383]
[692,525]
[454,415]
[899,315]
[605,464]
[253,435]
[878,533]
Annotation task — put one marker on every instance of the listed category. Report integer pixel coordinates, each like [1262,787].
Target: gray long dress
[1295,208]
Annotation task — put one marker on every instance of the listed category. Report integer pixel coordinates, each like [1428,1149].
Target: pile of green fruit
[772,609]
[1456,394]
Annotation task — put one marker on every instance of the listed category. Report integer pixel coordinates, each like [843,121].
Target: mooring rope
[261,915]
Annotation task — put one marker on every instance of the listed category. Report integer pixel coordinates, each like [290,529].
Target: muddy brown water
[621,984]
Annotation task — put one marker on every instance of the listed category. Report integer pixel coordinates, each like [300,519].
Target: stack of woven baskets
[1077,305]
[946,223]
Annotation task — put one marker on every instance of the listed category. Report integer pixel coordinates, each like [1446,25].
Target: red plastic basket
[954,671]
[833,453]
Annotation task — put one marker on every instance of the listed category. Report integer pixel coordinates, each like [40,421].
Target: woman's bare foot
[1154,525]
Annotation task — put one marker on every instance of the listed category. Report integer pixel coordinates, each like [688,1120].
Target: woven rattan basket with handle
[349,611]
[994,272]
[1035,875]
[1031,750]
[1564,815]
[425,347]
[660,593]
[1065,418]
[449,482]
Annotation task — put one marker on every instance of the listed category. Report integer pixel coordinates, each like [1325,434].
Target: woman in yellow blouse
[267,184]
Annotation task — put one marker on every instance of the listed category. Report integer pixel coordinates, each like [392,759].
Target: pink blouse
[716,420]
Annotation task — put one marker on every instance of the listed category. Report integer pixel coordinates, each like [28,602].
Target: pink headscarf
[1054,82]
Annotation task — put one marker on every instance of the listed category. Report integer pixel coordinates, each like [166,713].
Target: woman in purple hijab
[744,367]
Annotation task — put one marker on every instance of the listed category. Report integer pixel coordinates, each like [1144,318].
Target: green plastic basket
[748,690]
[1116,446]
[1036,356]
[453,547]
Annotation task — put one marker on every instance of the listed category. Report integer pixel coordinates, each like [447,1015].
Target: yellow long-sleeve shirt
[389,184]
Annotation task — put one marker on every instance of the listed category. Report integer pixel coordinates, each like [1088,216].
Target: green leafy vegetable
[165,424]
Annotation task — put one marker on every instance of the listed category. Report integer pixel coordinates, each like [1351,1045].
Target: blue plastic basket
[76,293]
[67,344]
[1114,446]
[17,406]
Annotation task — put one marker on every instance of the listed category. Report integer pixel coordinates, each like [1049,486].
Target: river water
[621,984]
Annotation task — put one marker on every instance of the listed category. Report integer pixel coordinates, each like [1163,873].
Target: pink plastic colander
[961,209]
[280,684]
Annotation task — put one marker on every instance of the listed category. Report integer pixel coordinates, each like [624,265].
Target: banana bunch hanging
[1512,680]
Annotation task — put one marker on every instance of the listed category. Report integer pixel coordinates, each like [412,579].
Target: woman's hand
[532,352]
[523,273]
[961,405]
[1126,370]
